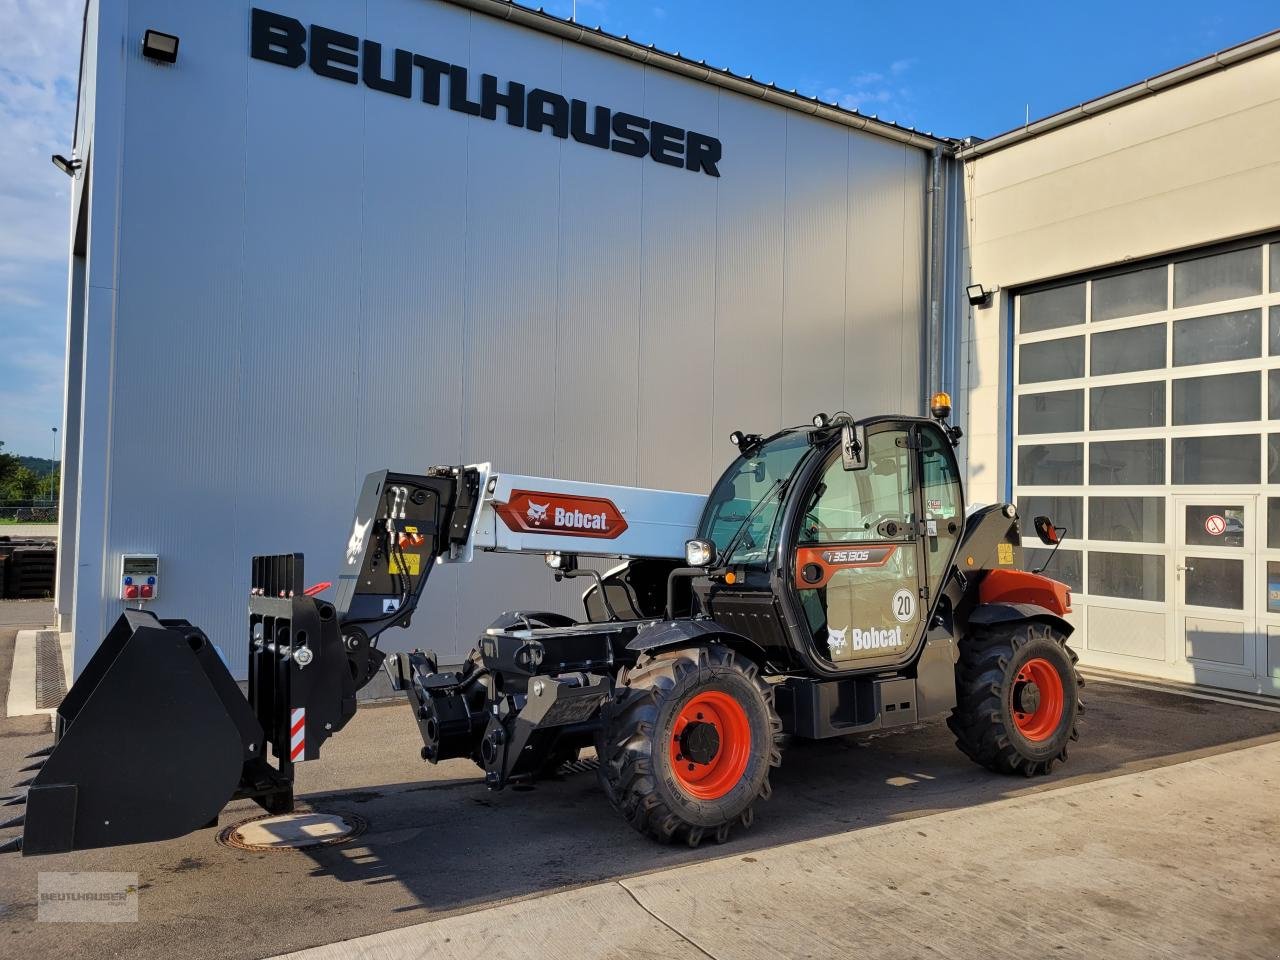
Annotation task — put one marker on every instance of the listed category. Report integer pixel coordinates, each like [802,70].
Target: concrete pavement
[25,613]
[33,531]
[1182,861]
[440,847]
[18,671]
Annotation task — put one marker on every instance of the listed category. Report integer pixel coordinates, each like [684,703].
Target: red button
[131,592]
[146,591]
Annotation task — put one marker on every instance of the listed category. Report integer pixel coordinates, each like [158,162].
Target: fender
[991,614]
[1020,586]
[670,634]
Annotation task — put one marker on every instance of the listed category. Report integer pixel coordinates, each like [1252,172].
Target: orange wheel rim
[714,728]
[1037,699]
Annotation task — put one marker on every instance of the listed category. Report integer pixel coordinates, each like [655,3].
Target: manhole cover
[292,831]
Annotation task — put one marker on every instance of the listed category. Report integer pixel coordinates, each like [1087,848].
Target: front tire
[686,747]
[1017,698]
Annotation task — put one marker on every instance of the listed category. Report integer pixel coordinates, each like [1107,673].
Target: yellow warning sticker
[412,561]
[1004,553]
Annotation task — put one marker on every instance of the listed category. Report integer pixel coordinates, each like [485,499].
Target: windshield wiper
[778,486]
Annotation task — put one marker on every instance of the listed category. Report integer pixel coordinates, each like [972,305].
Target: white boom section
[540,515]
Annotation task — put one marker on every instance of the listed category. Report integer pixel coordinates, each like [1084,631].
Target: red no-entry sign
[1214,524]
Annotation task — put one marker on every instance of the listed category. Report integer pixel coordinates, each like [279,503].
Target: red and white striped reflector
[298,733]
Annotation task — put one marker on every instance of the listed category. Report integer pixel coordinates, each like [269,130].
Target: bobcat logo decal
[545,513]
[355,545]
[836,641]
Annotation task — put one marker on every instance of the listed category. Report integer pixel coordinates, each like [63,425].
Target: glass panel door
[1215,565]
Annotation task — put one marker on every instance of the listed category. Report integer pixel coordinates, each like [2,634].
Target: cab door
[858,561]
[942,505]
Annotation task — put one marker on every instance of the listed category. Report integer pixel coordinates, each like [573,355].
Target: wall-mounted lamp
[162,47]
[978,297]
[69,167]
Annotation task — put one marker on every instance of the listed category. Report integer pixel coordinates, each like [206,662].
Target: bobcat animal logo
[537,512]
[836,641]
[355,544]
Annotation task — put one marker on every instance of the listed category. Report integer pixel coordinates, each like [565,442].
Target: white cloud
[39,66]
[885,92]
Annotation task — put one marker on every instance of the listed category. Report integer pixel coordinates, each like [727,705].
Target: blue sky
[956,69]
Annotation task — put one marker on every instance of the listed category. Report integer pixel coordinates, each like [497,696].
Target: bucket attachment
[155,737]
[151,742]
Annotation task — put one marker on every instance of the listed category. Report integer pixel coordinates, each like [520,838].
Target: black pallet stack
[27,568]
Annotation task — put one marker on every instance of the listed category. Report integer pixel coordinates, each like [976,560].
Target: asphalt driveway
[438,843]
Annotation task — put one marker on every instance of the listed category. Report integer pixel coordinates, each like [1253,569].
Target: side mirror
[853,446]
[1049,534]
[699,553]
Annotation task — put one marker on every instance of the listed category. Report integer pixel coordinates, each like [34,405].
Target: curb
[41,666]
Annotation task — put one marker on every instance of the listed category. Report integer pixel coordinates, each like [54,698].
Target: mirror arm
[1059,532]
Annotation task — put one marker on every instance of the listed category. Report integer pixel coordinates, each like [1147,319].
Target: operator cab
[835,569]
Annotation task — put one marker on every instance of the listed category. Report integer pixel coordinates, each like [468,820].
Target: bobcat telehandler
[831,584]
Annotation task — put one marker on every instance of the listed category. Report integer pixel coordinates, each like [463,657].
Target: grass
[10,522]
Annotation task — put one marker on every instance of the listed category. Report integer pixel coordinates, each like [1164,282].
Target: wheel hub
[1037,700]
[699,742]
[710,745]
[1026,697]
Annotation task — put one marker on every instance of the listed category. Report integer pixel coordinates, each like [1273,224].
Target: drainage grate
[51,682]
[580,766]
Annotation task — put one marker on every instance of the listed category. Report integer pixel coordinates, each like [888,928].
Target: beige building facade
[1124,374]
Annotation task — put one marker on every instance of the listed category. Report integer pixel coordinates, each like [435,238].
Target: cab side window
[943,504]
[854,505]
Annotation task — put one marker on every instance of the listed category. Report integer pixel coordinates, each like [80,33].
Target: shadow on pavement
[454,845]
[443,844]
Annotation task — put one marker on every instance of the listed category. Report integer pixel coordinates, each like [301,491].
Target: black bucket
[152,740]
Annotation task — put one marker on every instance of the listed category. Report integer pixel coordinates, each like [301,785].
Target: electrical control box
[139,576]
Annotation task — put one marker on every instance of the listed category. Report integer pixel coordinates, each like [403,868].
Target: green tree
[9,467]
[25,484]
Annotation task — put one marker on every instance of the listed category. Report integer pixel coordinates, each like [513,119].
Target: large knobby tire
[1017,698]
[705,700]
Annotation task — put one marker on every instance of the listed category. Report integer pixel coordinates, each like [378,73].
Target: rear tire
[1017,698]
[658,790]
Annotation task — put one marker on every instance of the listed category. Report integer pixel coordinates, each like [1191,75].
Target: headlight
[699,553]
[554,560]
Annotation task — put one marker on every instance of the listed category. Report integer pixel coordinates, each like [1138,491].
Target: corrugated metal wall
[317,280]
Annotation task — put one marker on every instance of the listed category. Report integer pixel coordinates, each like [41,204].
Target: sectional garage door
[1143,410]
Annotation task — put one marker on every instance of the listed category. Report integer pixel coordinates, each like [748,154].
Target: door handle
[1187,567]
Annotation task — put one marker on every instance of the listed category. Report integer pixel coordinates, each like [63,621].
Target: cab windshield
[741,510]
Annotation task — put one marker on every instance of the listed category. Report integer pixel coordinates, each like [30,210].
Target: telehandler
[832,583]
